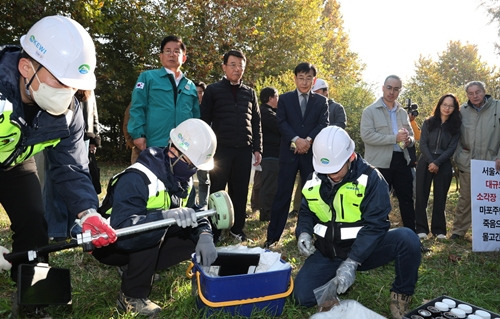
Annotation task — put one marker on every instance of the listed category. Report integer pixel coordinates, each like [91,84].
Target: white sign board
[485,202]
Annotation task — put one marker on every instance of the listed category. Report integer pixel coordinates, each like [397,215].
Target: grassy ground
[449,269]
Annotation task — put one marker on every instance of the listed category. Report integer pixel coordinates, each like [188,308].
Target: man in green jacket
[162,98]
[479,139]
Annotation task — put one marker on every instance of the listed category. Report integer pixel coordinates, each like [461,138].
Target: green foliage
[275,36]
[455,66]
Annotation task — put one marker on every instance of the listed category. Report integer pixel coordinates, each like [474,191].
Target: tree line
[275,35]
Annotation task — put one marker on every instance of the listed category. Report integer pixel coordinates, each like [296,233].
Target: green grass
[474,278]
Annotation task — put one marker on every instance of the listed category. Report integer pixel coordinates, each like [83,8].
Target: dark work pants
[257,183]
[286,179]
[441,182]
[269,185]
[21,197]
[232,168]
[400,178]
[400,245]
[137,280]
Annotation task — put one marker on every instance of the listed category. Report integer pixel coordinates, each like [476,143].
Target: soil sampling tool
[40,284]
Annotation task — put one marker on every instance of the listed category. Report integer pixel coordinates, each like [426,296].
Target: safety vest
[158,197]
[12,152]
[347,200]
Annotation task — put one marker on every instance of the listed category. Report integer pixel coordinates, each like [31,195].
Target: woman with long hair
[439,139]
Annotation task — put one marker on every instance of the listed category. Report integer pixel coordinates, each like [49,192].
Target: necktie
[174,86]
[303,103]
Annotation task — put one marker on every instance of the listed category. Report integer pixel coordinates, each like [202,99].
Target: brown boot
[399,304]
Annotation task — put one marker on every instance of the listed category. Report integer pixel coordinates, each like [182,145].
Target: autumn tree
[455,66]
[275,35]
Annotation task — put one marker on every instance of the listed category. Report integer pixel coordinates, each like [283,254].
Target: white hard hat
[332,148]
[65,49]
[195,139]
[319,84]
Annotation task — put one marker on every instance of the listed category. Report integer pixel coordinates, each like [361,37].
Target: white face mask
[53,100]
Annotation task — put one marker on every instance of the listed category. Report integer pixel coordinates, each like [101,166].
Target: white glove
[184,217]
[346,273]
[4,264]
[305,244]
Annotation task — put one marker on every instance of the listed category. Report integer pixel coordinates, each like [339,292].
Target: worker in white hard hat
[38,111]
[148,191]
[343,226]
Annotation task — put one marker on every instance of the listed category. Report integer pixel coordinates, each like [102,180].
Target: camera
[411,108]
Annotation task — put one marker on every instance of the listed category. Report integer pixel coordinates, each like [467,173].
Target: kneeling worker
[346,206]
[147,191]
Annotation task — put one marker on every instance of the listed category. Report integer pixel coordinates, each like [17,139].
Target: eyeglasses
[391,88]
[448,107]
[337,172]
[235,66]
[175,52]
[187,161]
[478,92]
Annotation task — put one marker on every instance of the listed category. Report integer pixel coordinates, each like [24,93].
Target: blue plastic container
[243,294]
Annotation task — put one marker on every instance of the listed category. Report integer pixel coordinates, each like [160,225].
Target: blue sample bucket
[242,294]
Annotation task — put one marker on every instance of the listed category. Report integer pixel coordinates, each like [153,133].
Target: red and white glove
[98,227]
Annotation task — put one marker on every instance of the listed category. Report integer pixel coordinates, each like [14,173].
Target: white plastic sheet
[348,309]
[269,260]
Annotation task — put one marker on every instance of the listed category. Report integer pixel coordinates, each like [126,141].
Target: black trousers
[232,168]
[137,279]
[400,178]
[288,169]
[269,185]
[21,197]
[441,182]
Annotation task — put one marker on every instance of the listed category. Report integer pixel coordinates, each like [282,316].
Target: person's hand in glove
[346,273]
[98,226]
[305,244]
[4,264]
[184,217]
[205,250]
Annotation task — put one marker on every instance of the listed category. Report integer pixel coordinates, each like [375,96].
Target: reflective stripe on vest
[158,198]
[346,202]
[11,150]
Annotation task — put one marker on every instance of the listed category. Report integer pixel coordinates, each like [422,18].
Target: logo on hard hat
[182,142]
[324,161]
[84,69]
[37,44]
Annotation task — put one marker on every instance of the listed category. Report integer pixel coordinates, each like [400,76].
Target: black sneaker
[424,249]
[269,243]
[240,236]
[142,306]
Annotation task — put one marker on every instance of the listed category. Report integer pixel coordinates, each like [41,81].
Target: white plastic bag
[350,309]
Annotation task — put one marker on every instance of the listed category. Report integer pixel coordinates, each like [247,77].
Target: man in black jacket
[231,108]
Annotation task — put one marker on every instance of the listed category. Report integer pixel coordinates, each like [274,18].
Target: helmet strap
[170,144]
[27,86]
